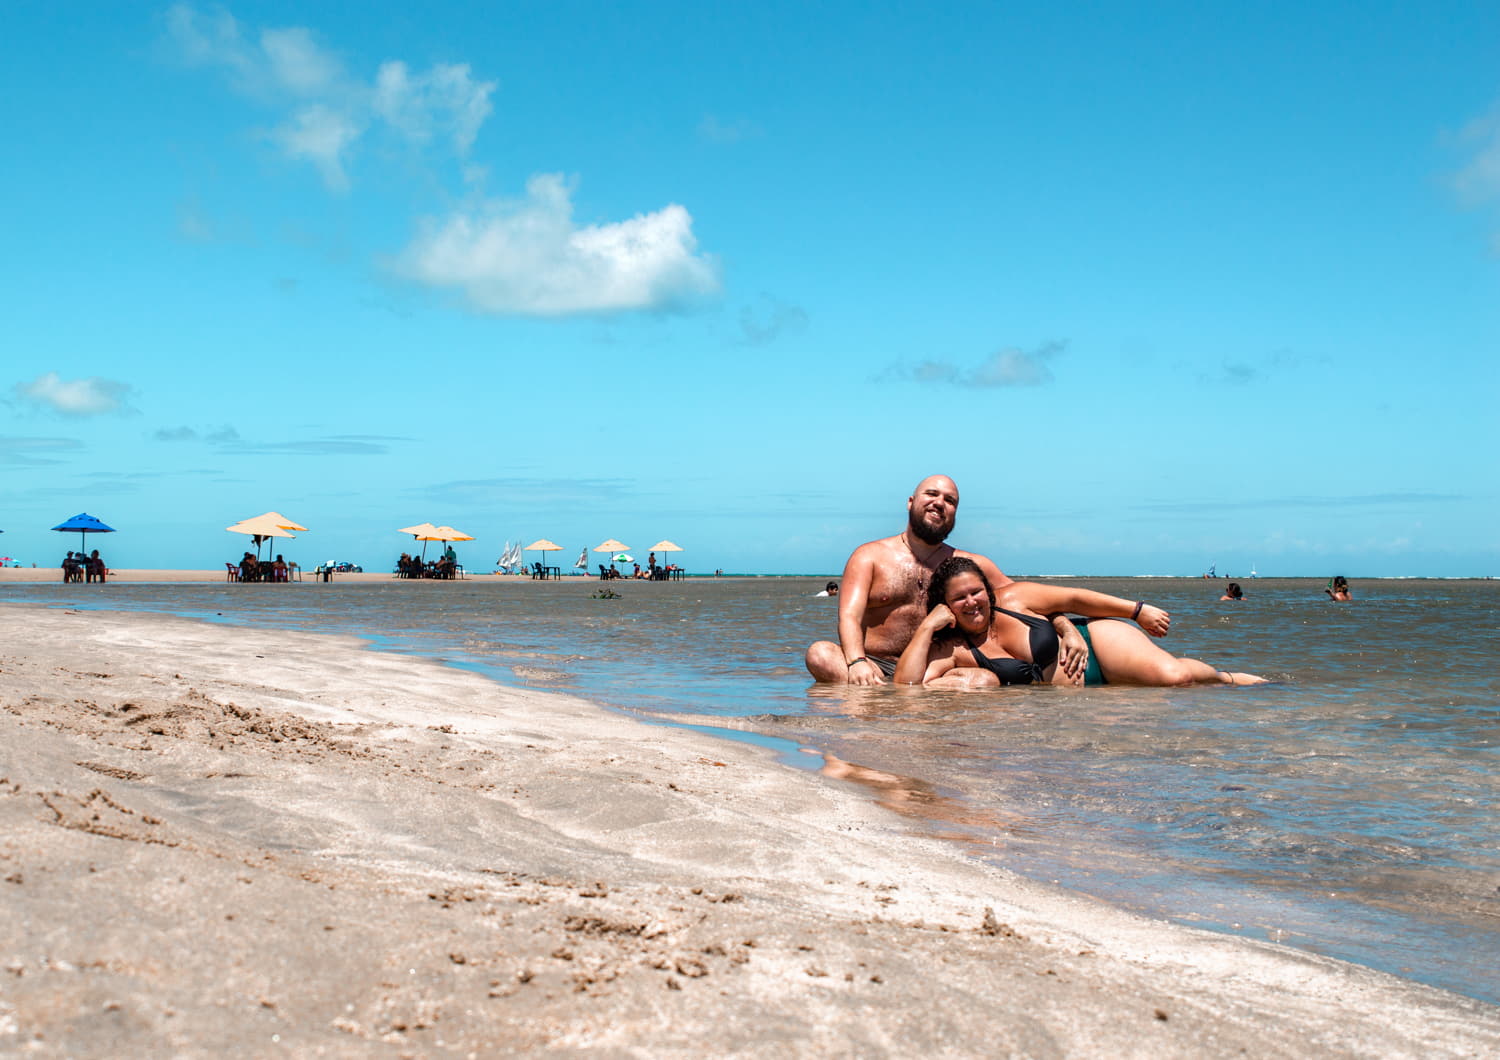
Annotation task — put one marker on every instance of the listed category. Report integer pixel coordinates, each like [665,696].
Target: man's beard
[932,535]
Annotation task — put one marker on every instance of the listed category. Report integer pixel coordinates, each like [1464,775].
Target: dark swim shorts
[887,666]
[1092,675]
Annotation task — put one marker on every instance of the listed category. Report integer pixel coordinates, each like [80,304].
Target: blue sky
[1159,285]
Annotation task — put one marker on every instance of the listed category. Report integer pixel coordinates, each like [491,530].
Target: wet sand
[216,839]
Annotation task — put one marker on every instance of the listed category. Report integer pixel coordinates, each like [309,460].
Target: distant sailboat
[1252,571]
[583,560]
[510,559]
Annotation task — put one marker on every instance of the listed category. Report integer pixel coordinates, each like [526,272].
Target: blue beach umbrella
[84,524]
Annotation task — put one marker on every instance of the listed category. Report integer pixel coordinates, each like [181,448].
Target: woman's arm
[1046,599]
[916,665]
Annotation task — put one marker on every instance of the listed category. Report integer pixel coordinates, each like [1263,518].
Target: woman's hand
[1154,620]
[1073,650]
[940,617]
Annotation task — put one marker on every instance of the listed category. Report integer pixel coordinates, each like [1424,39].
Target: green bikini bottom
[1093,675]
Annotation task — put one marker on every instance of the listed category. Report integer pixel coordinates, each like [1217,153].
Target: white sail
[583,560]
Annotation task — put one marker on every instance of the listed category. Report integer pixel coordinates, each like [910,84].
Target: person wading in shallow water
[883,594]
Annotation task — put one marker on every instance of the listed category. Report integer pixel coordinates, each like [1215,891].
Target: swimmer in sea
[1338,589]
[1232,591]
[1005,635]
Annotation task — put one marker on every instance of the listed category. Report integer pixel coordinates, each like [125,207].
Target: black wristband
[850,664]
[1136,617]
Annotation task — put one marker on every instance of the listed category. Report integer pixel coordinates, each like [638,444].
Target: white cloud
[327,109]
[322,136]
[528,257]
[446,101]
[1479,180]
[77,397]
[1017,368]
[296,63]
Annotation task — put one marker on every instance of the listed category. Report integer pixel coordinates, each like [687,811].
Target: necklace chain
[922,563]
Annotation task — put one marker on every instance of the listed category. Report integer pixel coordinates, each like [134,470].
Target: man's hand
[1154,620]
[864,672]
[1073,650]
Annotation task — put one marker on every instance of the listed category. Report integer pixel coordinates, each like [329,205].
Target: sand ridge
[220,839]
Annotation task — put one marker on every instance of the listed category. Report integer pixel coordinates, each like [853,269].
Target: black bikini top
[1044,650]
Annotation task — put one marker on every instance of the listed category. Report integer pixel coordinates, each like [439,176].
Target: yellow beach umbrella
[611,546]
[447,533]
[543,546]
[283,522]
[261,528]
[425,532]
[666,546]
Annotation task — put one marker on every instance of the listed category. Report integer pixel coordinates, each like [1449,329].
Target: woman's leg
[1128,657]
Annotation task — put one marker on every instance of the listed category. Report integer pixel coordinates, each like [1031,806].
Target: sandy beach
[222,840]
[34,575]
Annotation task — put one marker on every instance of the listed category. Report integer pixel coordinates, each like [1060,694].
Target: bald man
[883,594]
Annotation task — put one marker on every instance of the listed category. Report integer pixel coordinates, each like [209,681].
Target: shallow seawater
[1348,808]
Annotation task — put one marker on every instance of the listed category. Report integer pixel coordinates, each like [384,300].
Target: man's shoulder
[878,547]
[991,568]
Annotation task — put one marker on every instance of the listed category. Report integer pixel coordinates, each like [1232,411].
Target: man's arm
[854,598]
[992,573]
[1046,599]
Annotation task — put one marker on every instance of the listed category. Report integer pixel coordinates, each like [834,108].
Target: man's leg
[825,661]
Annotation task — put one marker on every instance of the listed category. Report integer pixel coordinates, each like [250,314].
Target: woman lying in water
[1011,640]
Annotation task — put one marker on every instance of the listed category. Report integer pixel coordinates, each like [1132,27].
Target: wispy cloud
[228,441]
[1003,368]
[75,397]
[530,258]
[326,110]
[217,435]
[336,446]
[1477,181]
[1276,365]
[521,257]
[35,452]
[768,319]
[1410,499]
[716,130]
[536,492]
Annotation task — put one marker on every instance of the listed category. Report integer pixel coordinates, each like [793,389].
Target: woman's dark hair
[1339,582]
[949,569]
[1234,590]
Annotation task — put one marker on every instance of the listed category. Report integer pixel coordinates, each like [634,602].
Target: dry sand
[217,840]
[54,574]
